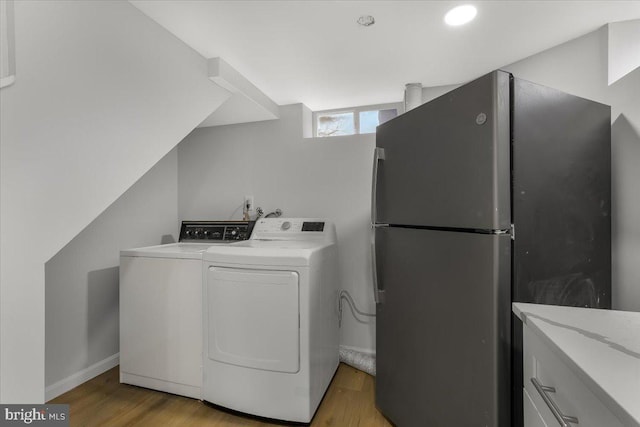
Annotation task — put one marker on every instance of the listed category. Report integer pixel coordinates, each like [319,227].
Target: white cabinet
[553,390]
[532,417]
[586,363]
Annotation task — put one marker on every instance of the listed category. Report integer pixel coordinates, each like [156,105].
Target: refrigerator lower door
[443,330]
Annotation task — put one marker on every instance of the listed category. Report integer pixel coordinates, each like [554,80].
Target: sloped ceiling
[314,52]
[623,48]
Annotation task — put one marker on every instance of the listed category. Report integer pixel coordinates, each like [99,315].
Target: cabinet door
[571,394]
[532,417]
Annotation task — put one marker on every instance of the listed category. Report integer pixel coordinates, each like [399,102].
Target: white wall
[580,67]
[82,279]
[331,176]
[623,48]
[101,94]
[305,177]
[429,93]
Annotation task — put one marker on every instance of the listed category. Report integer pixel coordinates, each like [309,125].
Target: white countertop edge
[626,418]
[515,307]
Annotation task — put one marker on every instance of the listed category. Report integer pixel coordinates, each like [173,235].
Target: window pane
[336,124]
[370,119]
[386,115]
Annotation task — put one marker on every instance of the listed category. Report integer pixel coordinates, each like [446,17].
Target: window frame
[398,106]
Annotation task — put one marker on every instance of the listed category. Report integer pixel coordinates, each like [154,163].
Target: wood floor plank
[349,378]
[103,401]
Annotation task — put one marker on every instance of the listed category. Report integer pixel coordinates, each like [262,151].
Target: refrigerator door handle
[378,156]
[378,294]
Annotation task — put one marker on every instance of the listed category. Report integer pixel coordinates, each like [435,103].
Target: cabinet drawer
[571,395]
[532,417]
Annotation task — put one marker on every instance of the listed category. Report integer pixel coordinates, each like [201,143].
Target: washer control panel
[214,231]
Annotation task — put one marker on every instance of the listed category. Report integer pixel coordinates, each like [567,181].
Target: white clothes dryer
[270,316]
[161,308]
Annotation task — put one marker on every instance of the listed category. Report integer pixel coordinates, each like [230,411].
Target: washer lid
[171,250]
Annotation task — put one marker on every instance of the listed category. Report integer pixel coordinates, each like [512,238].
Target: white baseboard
[367,351]
[73,381]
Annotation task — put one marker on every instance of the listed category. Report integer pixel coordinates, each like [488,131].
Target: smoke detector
[366,20]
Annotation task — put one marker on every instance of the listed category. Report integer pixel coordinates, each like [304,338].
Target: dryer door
[253,318]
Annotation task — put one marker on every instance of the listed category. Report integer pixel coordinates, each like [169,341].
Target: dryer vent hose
[365,362]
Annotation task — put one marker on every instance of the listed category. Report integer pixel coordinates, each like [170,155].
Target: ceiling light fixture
[366,20]
[460,15]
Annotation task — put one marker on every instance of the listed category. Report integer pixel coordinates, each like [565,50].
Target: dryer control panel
[292,229]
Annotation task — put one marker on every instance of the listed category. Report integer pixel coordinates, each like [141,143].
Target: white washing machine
[271,319]
[161,308]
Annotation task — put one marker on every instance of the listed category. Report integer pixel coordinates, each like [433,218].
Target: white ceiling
[314,52]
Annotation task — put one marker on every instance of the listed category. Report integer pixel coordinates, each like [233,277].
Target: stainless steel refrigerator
[497,191]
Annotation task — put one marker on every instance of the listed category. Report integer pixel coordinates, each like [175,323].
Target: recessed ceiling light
[460,15]
[366,20]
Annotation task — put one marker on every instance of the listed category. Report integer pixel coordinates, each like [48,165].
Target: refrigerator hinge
[379,225]
[513,232]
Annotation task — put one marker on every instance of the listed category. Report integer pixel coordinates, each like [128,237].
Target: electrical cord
[352,306]
[231,217]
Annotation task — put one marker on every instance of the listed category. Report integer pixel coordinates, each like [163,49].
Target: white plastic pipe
[412,96]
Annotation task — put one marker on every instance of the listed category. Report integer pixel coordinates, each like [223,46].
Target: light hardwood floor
[103,401]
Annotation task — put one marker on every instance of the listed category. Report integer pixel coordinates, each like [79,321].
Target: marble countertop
[602,347]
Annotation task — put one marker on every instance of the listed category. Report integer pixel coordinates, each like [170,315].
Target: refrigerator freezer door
[447,162]
[443,331]
[561,198]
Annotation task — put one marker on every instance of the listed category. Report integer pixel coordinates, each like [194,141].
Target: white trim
[224,75]
[74,380]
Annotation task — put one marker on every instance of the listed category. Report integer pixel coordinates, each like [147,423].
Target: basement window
[352,121]
[336,124]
